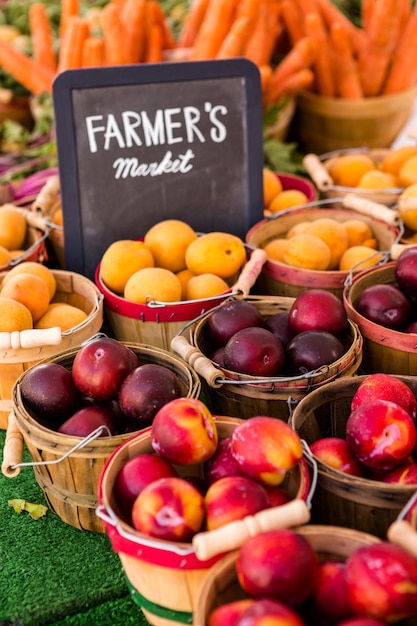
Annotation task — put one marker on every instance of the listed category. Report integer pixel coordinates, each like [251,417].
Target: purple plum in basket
[311,350]
[385,305]
[231,317]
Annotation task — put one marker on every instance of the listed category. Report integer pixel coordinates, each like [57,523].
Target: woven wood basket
[157,323]
[34,247]
[245,396]
[47,205]
[358,503]
[384,350]
[164,577]
[279,279]
[22,350]
[222,586]
[70,482]
[325,124]
[319,168]
[279,129]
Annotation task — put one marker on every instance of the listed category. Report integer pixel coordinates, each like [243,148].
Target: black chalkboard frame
[78,241]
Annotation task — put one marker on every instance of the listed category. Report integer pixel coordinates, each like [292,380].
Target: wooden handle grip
[13,448]
[232,536]
[403,534]
[250,272]
[371,208]
[398,248]
[202,365]
[317,171]
[33,338]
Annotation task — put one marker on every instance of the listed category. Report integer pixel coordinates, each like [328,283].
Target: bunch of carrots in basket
[296,44]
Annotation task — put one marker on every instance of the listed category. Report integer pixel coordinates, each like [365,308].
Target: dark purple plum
[385,305]
[231,317]
[254,351]
[311,350]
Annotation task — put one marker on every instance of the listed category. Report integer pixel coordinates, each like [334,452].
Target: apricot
[5,256]
[275,249]
[307,251]
[122,259]
[298,229]
[407,206]
[38,269]
[14,316]
[395,159]
[333,234]
[205,286]
[358,231]
[61,314]
[13,227]
[408,172]
[359,258]
[184,276]
[348,169]
[153,283]
[217,253]
[271,185]
[376,179]
[168,241]
[287,199]
[30,290]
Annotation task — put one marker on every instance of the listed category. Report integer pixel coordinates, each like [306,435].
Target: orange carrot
[68,9]
[404,13]
[348,83]
[266,73]
[294,83]
[132,17]
[25,70]
[42,36]
[323,68]
[93,52]
[71,52]
[154,43]
[301,56]
[193,20]
[292,19]
[214,28]
[367,8]
[265,33]
[235,40]
[375,56]
[113,35]
[331,13]
[249,8]
[403,71]
[160,17]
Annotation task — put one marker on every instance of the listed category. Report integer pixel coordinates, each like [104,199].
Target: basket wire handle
[11,465]
[401,531]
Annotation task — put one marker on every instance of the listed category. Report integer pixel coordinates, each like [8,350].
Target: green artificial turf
[53,573]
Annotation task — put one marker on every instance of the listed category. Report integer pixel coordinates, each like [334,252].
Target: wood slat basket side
[384,350]
[70,486]
[73,289]
[358,503]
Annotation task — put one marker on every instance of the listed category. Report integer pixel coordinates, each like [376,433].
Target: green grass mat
[52,573]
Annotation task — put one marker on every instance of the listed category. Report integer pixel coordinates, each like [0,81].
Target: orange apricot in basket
[348,169]
[30,290]
[14,316]
[61,314]
[357,231]
[408,172]
[359,258]
[287,199]
[5,256]
[395,159]
[153,283]
[409,213]
[297,229]
[13,227]
[333,233]
[37,269]
[168,241]
[376,179]
[205,286]
[275,249]
[271,184]
[184,276]
[216,253]
[122,259]
[308,252]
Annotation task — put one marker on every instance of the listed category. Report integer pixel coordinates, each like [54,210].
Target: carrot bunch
[128,31]
[378,58]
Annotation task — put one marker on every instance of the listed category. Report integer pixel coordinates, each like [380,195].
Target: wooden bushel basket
[47,204]
[244,396]
[69,478]
[164,577]
[280,279]
[157,323]
[22,350]
[222,586]
[340,499]
[384,350]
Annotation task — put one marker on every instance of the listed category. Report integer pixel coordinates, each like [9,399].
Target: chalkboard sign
[141,143]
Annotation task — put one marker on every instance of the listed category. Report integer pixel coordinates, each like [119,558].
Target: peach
[278,496]
[184,431]
[265,448]
[403,475]
[169,508]
[279,564]
[268,611]
[222,463]
[381,582]
[381,434]
[381,386]
[136,474]
[330,599]
[228,614]
[336,453]
[233,498]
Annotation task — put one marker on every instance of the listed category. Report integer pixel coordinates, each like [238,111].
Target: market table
[53,573]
